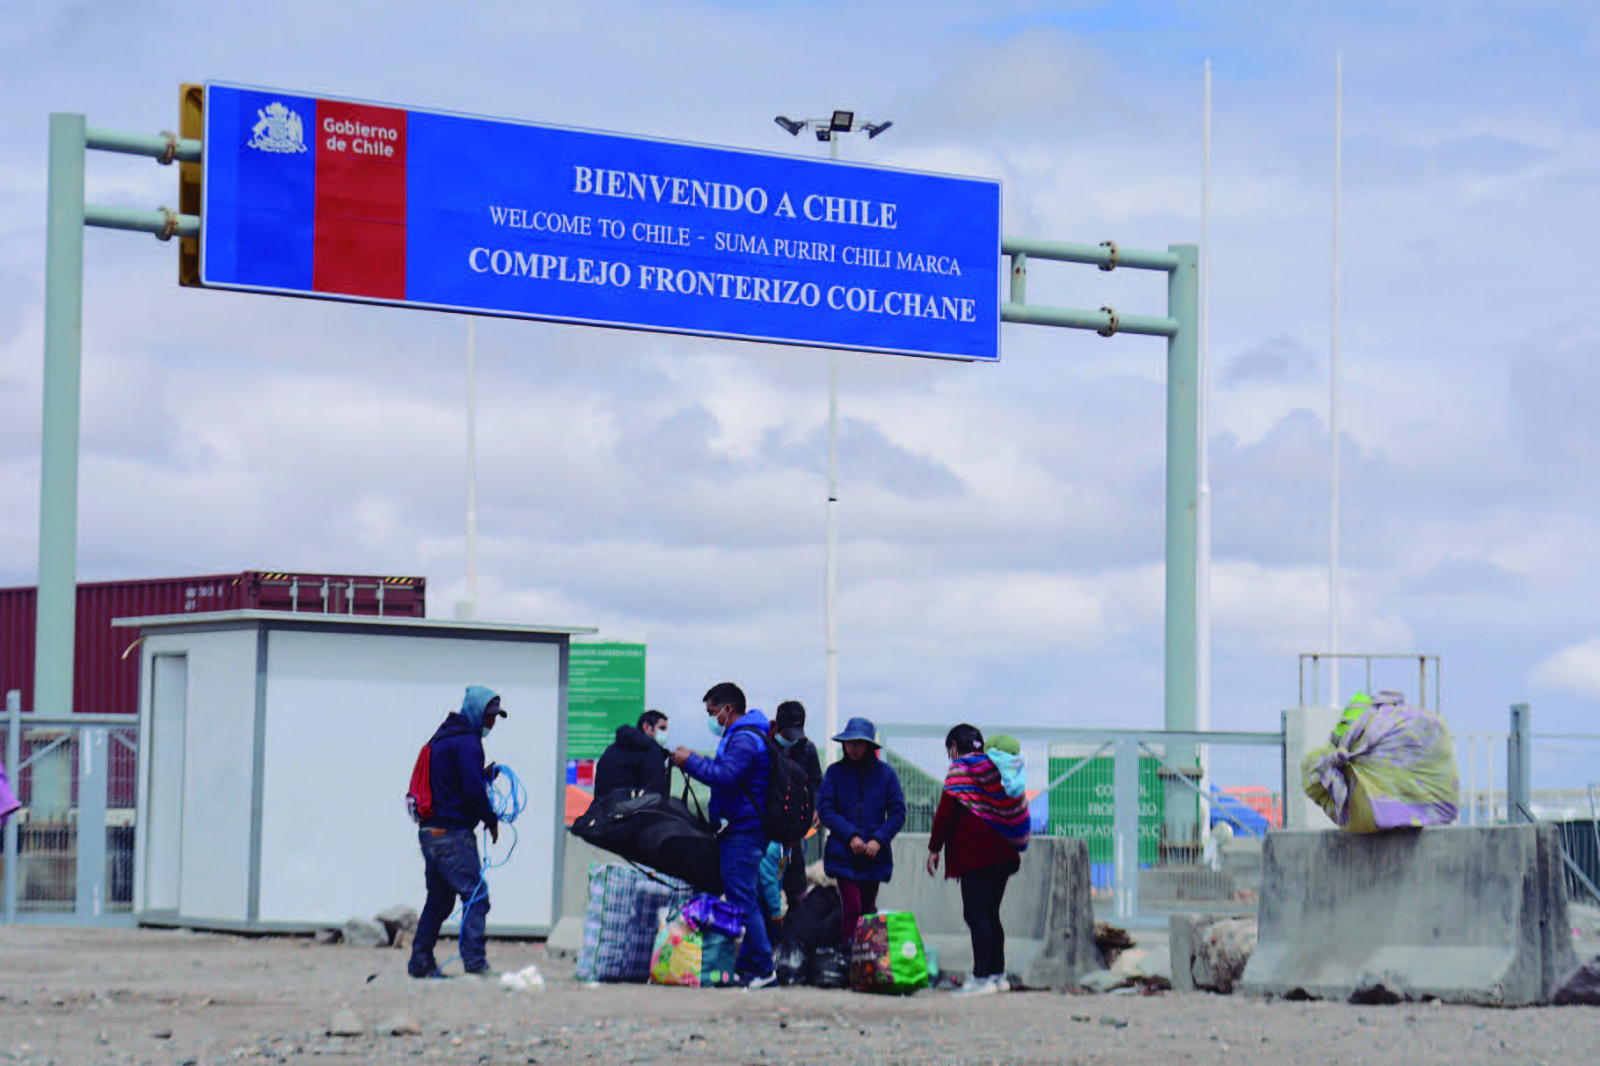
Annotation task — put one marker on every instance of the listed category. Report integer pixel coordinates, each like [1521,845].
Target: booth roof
[229,619]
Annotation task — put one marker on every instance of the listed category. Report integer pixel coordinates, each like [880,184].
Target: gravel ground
[74,996]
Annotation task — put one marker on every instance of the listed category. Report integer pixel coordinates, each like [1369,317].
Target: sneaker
[484,974]
[766,980]
[980,986]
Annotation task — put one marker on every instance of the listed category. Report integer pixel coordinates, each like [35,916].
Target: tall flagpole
[1202,716]
[1333,394]
[470,609]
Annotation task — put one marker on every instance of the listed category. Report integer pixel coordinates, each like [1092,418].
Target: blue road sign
[347,200]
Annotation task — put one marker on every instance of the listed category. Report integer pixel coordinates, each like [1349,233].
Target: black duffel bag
[814,920]
[657,831]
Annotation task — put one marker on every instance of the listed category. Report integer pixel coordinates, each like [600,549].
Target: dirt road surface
[74,996]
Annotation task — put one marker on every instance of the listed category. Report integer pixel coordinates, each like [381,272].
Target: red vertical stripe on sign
[361,201]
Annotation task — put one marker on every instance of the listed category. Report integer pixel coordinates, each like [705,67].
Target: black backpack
[790,808]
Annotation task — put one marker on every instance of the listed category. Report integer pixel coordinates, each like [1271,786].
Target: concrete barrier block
[1466,914]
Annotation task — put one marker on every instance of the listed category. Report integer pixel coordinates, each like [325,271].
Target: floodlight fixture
[842,121]
[824,134]
[790,125]
[875,128]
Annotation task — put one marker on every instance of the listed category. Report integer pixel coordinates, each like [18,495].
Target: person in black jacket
[460,784]
[789,730]
[637,760]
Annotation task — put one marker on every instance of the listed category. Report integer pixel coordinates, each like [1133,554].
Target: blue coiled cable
[508,801]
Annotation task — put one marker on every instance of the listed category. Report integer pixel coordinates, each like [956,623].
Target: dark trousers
[794,874]
[981,893]
[451,867]
[741,864]
[855,899]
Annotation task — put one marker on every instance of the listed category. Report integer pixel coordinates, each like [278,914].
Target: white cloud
[1575,669]
[1001,525]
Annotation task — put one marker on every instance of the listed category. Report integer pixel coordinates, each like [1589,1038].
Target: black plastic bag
[814,919]
[792,963]
[830,968]
[1580,985]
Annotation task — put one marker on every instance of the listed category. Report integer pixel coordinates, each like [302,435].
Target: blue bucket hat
[860,729]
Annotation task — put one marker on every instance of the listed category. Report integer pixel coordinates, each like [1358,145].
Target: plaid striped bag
[620,922]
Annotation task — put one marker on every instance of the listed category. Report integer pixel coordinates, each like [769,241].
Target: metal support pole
[13,761]
[91,873]
[831,593]
[1519,766]
[831,717]
[58,473]
[1125,828]
[1183,487]
[1472,779]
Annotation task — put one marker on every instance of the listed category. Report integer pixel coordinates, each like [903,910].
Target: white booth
[276,749]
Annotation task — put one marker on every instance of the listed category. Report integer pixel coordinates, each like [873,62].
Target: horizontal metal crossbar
[1101,321]
[1095,736]
[160,223]
[1101,255]
[116,721]
[164,149]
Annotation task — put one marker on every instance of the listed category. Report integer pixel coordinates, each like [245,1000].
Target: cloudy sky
[1001,524]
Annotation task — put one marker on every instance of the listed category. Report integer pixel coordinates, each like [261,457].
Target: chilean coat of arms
[277,130]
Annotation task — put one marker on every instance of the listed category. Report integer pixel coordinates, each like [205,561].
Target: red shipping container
[106,666]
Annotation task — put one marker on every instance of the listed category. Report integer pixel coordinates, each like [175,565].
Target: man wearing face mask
[738,779]
[637,760]
[460,783]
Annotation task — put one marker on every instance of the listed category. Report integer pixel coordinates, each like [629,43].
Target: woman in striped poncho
[983,831]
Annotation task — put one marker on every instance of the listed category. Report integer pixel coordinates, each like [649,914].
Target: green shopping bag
[887,955]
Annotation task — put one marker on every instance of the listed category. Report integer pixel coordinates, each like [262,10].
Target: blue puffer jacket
[741,764]
[860,799]
[456,770]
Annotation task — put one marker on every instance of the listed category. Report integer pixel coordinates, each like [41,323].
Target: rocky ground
[75,996]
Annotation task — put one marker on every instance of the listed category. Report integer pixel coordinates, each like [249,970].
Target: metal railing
[71,773]
[1379,670]
[1563,789]
[1151,804]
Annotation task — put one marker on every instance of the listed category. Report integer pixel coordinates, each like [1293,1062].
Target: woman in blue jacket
[862,807]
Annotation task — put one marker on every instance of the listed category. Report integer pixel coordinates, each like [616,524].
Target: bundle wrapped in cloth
[1388,766]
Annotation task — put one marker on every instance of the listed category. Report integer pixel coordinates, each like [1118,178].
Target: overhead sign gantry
[288,193]
[321,197]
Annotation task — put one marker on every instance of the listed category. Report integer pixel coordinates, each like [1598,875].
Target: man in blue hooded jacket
[460,784]
[738,779]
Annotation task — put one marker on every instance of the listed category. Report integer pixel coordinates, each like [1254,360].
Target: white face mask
[661,736]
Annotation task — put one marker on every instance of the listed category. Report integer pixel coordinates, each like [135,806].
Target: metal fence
[70,773]
[1174,821]
[1564,790]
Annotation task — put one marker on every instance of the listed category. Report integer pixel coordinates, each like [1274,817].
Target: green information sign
[1084,806]
[605,689]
